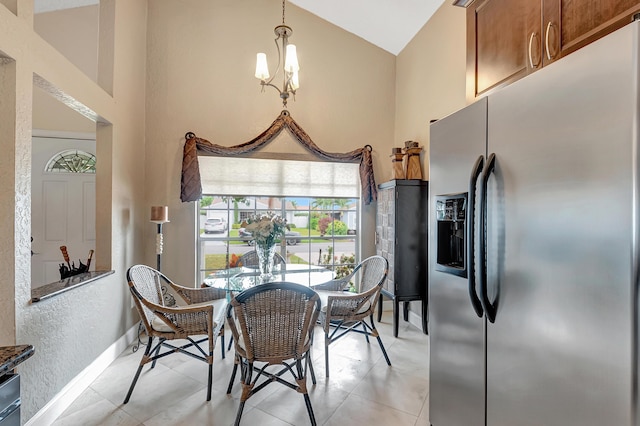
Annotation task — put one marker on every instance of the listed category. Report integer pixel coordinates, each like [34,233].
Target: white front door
[62,210]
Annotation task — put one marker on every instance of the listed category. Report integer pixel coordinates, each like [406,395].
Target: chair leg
[210,381]
[246,381]
[375,333]
[233,374]
[384,352]
[135,378]
[230,343]
[327,341]
[307,400]
[310,364]
[366,332]
[222,341]
[157,351]
[239,413]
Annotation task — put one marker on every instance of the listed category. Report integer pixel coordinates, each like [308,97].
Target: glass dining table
[242,278]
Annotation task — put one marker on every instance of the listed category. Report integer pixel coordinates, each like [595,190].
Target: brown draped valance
[191,187]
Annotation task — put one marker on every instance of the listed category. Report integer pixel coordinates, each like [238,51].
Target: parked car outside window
[292,237]
[214,225]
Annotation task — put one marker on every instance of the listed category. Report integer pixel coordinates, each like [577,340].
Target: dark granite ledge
[11,356]
[53,289]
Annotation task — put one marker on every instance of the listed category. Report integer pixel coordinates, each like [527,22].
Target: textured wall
[70,330]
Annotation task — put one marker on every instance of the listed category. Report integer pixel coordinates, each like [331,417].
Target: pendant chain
[283,11]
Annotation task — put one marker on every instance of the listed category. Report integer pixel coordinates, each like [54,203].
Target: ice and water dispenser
[451,231]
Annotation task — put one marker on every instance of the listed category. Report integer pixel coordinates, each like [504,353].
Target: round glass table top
[242,278]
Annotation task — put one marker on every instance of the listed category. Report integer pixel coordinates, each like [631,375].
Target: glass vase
[266,254]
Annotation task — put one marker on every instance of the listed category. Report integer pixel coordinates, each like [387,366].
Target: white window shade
[253,176]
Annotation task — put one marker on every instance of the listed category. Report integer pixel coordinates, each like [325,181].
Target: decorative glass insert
[72,161]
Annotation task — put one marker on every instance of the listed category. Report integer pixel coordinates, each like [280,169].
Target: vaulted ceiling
[388,24]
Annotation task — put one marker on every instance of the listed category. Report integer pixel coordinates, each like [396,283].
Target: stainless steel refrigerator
[533,244]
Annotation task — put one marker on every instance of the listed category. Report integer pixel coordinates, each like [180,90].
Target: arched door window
[72,161]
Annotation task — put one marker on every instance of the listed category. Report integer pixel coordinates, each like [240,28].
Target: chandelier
[289,63]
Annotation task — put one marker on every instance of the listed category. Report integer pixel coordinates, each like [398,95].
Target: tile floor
[362,389]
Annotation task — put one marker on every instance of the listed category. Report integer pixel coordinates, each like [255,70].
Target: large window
[324,231]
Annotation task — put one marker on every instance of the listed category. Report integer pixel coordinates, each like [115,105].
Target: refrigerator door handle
[489,308]
[471,217]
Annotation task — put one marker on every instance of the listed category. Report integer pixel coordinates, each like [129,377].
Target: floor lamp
[159,216]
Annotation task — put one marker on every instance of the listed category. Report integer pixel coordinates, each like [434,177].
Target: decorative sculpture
[413,165]
[70,268]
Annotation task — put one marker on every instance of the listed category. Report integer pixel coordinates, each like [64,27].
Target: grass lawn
[219,261]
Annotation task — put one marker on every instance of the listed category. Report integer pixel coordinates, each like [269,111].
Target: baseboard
[63,399]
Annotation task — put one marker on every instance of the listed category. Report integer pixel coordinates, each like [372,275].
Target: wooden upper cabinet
[584,21]
[503,43]
[508,39]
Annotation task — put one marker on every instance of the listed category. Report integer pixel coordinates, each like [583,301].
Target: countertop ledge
[11,356]
[49,290]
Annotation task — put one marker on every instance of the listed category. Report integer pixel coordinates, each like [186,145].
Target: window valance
[191,185]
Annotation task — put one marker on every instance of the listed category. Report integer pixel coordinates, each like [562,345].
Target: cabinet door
[585,21]
[504,43]
[551,30]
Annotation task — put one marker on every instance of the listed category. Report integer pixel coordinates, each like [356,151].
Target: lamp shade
[291,59]
[295,83]
[160,214]
[262,69]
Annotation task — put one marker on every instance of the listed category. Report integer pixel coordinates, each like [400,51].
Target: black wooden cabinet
[401,237]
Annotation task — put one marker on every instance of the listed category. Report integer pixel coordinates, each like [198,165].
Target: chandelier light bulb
[291,63]
[295,84]
[262,69]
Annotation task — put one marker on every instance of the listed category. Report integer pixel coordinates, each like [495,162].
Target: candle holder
[159,216]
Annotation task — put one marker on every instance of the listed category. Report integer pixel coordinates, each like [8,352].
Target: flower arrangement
[266,228]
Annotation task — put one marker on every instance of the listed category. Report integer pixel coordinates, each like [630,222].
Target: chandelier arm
[282,32]
[268,83]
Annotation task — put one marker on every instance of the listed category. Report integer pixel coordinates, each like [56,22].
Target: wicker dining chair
[200,313]
[369,270]
[343,312]
[250,259]
[272,325]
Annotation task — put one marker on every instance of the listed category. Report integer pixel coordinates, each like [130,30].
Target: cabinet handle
[546,41]
[533,35]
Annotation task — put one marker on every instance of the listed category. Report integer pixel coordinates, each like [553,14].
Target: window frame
[280,205]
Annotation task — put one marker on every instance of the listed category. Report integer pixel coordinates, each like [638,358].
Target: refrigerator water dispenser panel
[451,231]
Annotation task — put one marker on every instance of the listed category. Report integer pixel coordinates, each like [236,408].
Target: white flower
[266,228]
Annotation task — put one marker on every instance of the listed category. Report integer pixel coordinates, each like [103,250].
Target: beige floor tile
[359,411]
[400,389]
[195,410]
[91,409]
[288,405]
[361,389]
[423,420]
